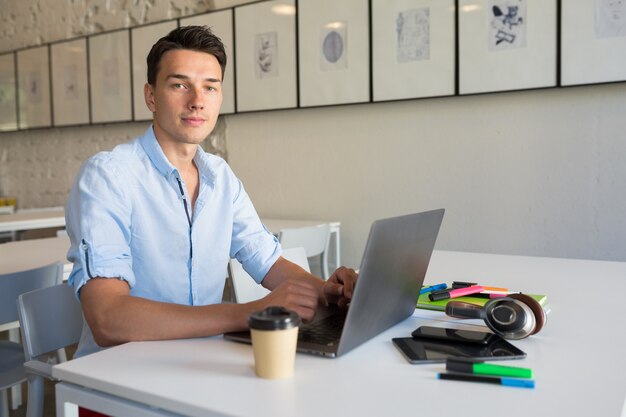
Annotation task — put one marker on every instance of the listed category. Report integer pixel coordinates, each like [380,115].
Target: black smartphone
[454,335]
[419,351]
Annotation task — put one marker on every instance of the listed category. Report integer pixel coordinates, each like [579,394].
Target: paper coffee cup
[274,337]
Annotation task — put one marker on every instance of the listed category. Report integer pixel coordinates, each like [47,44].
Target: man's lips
[193,120]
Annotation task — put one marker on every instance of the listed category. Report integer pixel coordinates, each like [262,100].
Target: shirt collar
[152,148]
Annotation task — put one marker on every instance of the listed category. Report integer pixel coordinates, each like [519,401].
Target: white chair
[245,287]
[11,353]
[313,239]
[51,319]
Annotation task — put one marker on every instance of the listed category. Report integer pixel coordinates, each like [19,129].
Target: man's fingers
[333,288]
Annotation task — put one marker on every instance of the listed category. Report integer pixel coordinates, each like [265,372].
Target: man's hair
[194,38]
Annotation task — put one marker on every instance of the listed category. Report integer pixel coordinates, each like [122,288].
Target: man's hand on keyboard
[340,287]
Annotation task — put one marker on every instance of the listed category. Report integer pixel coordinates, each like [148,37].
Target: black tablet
[434,351]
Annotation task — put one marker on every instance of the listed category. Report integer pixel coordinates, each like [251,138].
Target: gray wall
[532,173]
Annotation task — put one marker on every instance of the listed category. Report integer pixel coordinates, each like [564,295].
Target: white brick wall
[38,166]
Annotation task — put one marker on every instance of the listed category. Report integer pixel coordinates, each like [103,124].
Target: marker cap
[439,295]
[514,382]
[469,365]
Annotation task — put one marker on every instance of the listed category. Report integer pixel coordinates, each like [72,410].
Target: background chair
[11,353]
[313,239]
[50,319]
[245,289]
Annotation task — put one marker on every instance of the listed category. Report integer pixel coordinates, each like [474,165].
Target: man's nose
[196,101]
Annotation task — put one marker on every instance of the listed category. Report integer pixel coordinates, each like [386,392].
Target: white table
[578,361]
[32,220]
[28,254]
[22,255]
[276,225]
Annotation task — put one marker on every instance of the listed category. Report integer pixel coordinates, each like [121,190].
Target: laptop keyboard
[326,332]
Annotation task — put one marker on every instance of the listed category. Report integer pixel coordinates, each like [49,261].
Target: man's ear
[148,94]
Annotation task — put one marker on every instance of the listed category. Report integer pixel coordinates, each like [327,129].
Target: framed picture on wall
[221,23]
[110,83]
[8,98]
[413,51]
[33,81]
[593,41]
[142,39]
[507,45]
[265,52]
[333,52]
[70,83]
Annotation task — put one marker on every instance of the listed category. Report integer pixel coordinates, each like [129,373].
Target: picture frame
[110,83]
[265,52]
[593,41]
[413,49]
[221,24]
[507,45]
[70,82]
[8,93]
[33,91]
[142,39]
[333,52]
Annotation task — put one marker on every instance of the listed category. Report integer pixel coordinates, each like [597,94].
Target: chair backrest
[14,284]
[50,319]
[313,239]
[244,286]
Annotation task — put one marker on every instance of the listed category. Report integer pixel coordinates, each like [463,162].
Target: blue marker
[510,382]
[433,288]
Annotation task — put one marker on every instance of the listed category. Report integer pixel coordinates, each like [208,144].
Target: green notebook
[424,302]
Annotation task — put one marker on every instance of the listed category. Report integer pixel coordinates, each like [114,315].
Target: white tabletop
[32,220]
[578,359]
[27,254]
[276,225]
[22,255]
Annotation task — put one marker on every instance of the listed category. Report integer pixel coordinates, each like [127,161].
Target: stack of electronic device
[436,344]
[464,352]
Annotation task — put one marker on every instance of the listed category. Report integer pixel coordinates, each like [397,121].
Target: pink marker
[459,292]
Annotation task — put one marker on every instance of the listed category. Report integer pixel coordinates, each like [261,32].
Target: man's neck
[179,154]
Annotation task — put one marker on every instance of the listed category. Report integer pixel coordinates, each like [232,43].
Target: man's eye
[178,86]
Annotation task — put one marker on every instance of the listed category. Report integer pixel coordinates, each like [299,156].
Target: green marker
[472,366]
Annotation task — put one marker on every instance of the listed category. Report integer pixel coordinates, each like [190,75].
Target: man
[154,222]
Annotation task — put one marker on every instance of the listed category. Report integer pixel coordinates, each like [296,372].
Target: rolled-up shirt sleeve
[98,218]
[252,244]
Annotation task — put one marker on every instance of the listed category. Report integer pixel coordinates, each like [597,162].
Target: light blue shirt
[126,219]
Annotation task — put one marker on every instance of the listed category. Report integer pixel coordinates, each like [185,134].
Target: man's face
[186,97]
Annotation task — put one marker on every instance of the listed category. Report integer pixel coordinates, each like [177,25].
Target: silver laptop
[391,275]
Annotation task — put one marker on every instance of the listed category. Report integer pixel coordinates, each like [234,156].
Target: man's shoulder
[126,152]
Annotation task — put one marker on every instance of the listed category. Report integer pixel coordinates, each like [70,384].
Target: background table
[578,361]
[23,255]
[32,220]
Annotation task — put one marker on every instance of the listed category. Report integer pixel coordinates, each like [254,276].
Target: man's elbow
[104,332]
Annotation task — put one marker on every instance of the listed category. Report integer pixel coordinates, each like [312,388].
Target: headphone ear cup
[535,307]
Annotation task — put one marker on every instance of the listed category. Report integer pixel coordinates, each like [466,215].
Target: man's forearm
[115,316]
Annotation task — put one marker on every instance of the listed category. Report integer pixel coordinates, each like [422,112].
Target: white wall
[533,173]
[537,172]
